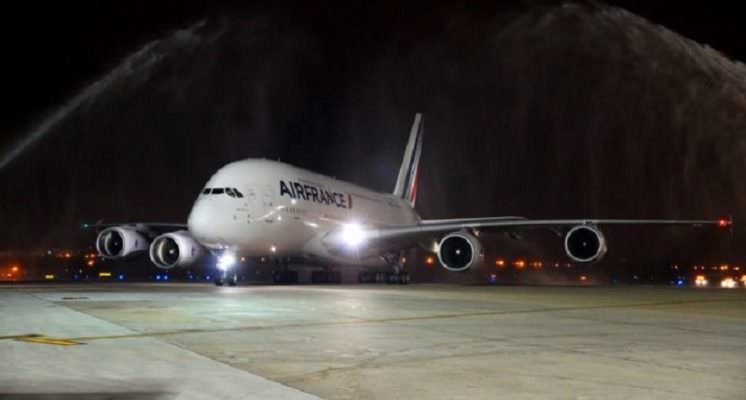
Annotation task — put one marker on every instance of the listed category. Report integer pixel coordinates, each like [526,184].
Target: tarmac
[197,341]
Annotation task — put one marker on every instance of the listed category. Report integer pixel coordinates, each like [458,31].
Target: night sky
[532,108]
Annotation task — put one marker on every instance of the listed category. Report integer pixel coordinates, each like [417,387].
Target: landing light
[353,234]
[225,261]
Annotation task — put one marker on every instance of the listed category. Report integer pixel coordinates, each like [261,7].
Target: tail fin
[406,183]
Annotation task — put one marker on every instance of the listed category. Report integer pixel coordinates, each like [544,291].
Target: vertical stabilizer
[406,183]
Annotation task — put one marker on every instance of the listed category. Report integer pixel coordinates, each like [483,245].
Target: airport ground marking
[135,335]
[41,339]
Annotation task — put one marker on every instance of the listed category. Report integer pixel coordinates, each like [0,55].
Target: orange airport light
[500,262]
[583,278]
[429,260]
[91,263]
[15,268]
[519,264]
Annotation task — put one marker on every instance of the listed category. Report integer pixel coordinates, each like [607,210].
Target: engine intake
[175,249]
[120,241]
[585,244]
[459,251]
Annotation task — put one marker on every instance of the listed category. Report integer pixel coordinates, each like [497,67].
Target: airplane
[262,208]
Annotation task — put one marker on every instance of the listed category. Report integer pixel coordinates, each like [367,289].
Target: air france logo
[296,190]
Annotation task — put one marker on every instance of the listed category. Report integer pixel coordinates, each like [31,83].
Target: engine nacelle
[175,249]
[120,241]
[460,251]
[585,244]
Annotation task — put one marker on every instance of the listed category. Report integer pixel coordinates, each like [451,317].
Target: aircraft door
[259,202]
[251,208]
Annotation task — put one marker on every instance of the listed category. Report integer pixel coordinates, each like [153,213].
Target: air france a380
[256,208]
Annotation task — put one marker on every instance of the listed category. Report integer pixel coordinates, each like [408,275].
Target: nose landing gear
[226,277]
[226,265]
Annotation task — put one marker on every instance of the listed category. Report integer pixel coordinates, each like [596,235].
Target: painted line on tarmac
[36,338]
[41,339]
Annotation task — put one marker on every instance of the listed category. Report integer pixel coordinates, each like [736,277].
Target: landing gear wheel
[219,282]
[233,280]
[404,278]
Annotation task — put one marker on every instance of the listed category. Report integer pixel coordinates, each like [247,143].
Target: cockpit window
[232,192]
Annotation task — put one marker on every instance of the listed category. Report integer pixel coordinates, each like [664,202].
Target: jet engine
[585,244]
[175,249]
[120,241]
[460,251]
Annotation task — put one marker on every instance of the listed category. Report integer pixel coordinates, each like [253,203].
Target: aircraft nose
[199,221]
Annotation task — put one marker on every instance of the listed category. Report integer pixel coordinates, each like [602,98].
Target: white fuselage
[275,209]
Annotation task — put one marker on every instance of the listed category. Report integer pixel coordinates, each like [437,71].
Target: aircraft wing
[399,236]
[150,229]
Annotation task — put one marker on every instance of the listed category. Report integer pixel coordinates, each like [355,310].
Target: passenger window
[217,191]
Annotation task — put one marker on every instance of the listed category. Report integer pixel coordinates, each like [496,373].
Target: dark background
[532,108]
